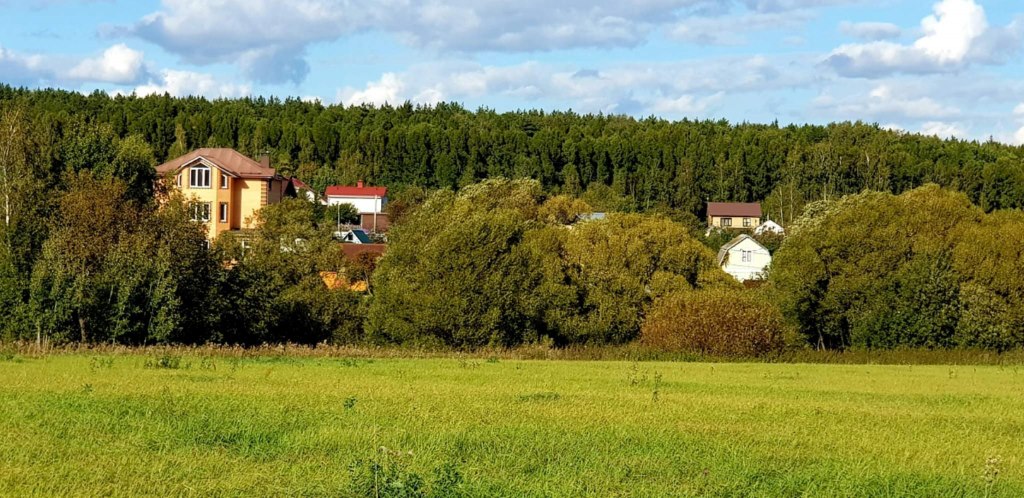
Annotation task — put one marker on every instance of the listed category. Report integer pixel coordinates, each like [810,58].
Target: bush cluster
[715,322]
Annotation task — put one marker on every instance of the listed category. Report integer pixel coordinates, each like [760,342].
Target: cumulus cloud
[885,102]
[956,35]
[871,31]
[732,30]
[186,83]
[24,69]
[676,89]
[943,130]
[269,39]
[118,64]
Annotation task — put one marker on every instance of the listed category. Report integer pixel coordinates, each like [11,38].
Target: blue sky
[946,67]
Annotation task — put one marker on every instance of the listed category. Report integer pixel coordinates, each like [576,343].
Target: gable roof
[228,160]
[356,191]
[359,234]
[724,251]
[742,209]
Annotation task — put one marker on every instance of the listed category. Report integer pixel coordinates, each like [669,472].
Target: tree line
[648,164]
[485,248]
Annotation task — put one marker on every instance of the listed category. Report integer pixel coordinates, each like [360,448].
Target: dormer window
[199,176]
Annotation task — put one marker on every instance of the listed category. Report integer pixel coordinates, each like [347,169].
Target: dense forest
[895,239]
[649,164]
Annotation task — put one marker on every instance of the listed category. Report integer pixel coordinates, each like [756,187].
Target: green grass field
[75,424]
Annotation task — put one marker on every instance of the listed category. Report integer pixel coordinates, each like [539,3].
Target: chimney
[359,184]
[265,160]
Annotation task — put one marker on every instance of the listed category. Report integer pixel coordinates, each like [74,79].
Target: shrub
[715,322]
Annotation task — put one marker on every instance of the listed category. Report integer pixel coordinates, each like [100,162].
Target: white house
[769,226]
[368,201]
[744,258]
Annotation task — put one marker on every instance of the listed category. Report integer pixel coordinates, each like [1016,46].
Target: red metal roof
[747,209]
[356,191]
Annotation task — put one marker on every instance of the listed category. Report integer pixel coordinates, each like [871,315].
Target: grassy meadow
[144,424]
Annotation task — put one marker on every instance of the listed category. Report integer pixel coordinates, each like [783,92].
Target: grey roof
[724,251]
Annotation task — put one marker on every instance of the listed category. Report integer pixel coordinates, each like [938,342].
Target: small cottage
[744,258]
[734,215]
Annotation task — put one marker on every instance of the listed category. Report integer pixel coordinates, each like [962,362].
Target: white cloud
[268,39]
[886,102]
[387,90]
[118,64]
[871,31]
[685,105]
[732,30]
[691,89]
[943,130]
[23,69]
[1018,137]
[185,83]
[951,39]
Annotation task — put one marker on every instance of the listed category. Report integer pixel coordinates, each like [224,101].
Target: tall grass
[636,351]
[266,422]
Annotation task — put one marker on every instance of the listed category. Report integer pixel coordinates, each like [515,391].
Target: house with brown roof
[224,188]
[368,201]
[734,215]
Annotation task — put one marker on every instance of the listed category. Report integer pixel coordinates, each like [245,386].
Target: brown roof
[228,160]
[354,250]
[747,209]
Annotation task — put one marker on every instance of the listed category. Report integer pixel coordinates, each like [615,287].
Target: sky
[945,68]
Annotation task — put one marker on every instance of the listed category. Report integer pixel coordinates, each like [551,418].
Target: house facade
[368,201]
[224,188]
[744,258]
[734,215]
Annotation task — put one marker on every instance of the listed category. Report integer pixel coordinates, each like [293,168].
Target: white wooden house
[744,258]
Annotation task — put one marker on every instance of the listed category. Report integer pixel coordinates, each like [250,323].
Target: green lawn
[110,425]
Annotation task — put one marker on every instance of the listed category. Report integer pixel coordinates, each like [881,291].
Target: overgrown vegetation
[922,269]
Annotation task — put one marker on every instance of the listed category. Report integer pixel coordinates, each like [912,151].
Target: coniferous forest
[88,256]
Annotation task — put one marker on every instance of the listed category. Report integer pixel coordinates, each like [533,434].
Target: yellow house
[225,188]
[734,215]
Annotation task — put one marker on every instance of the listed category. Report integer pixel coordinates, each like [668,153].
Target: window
[199,177]
[178,179]
[200,211]
[223,180]
[223,212]
[746,222]
[747,256]
[726,222]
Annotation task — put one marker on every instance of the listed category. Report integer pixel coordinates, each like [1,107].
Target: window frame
[198,209]
[223,181]
[746,223]
[746,256]
[726,222]
[223,213]
[199,176]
